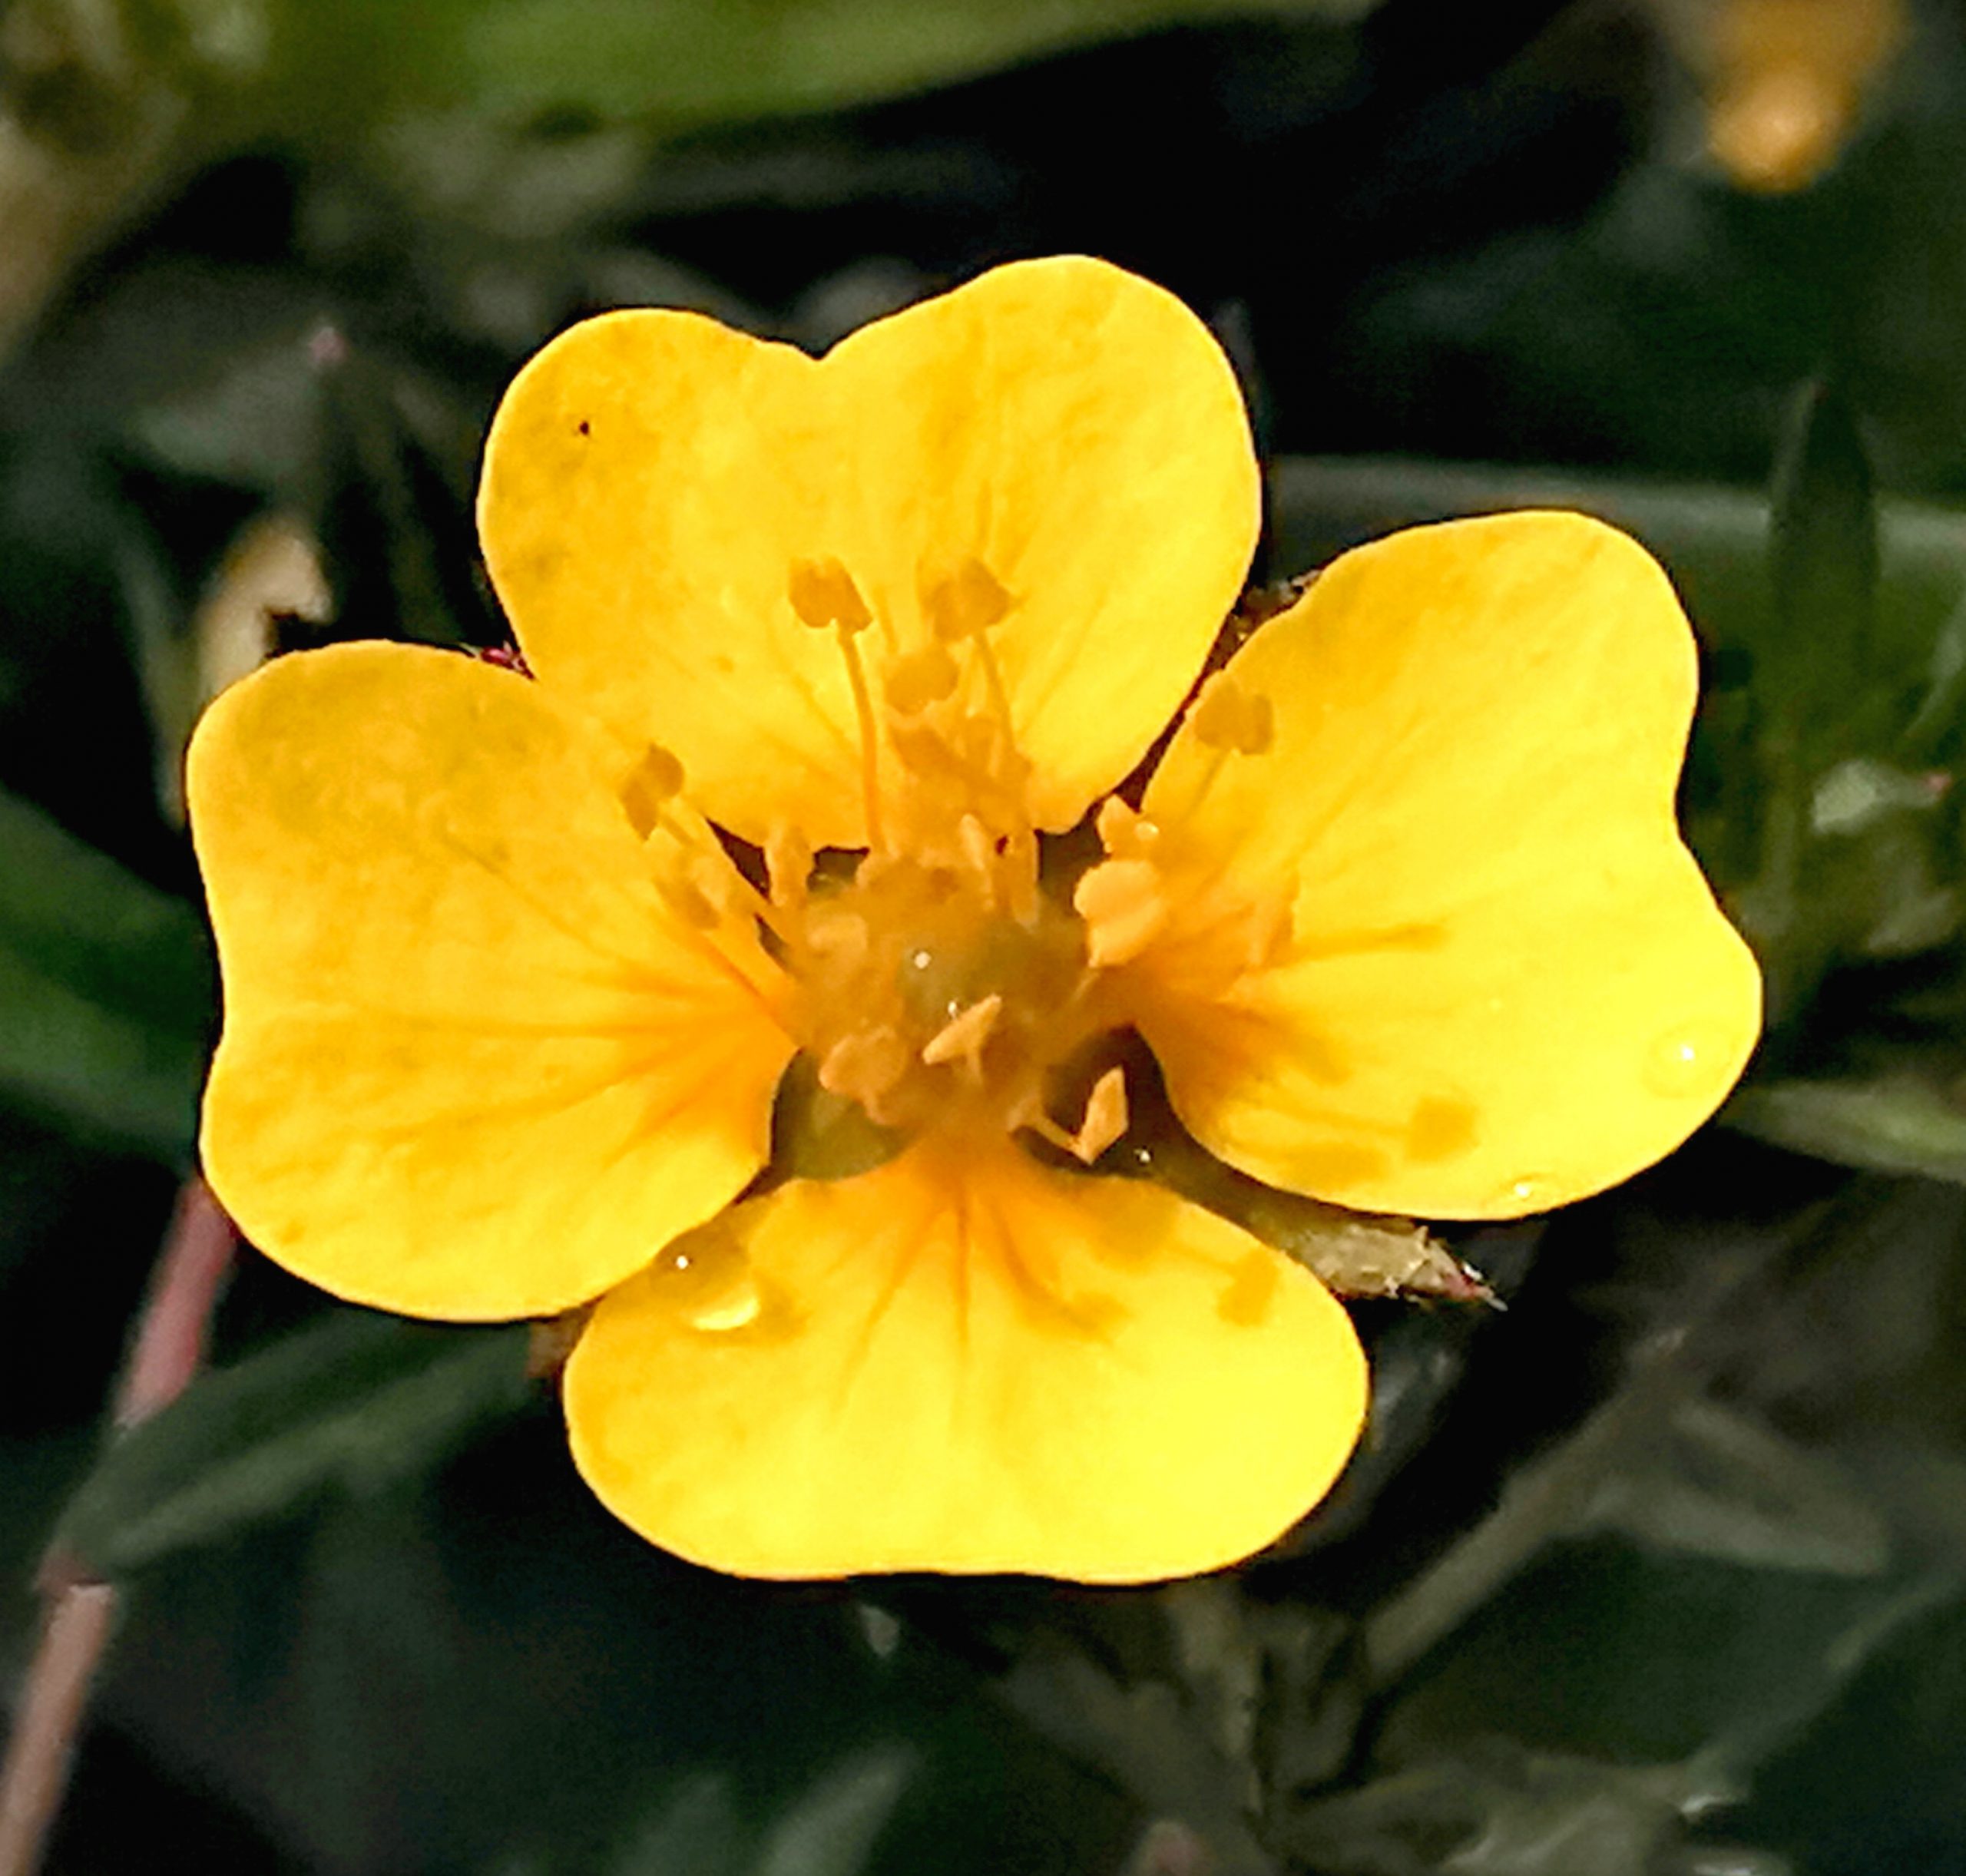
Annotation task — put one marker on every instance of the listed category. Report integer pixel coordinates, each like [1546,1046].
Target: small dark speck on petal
[586,428]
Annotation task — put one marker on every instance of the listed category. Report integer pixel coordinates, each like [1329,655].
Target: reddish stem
[79,1611]
[172,1333]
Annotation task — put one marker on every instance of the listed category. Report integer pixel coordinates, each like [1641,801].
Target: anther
[1125,908]
[913,681]
[973,739]
[1123,833]
[1226,717]
[924,751]
[865,1066]
[655,780]
[838,934]
[823,594]
[965,603]
[1105,1117]
[963,1036]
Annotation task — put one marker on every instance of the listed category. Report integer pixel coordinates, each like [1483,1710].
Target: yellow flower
[1404,914]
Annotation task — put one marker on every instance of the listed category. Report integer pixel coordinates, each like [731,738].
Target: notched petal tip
[1055,453]
[1476,735]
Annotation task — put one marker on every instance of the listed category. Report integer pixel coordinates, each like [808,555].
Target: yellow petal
[1058,434]
[1508,985]
[472,1067]
[1078,433]
[968,1362]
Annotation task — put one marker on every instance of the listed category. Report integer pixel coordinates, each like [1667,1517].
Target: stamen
[1125,908]
[865,1066]
[1000,698]
[788,865]
[924,751]
[870,753]
[1020,859]
[688,901]
[1259,729]
[1102,1124]
[917,679]
[823,595]
[1226,717]
[965,602]
[1227,720]
[651,786]
[1105,1117]
[718,890]
[1273,930]
[1031,1114]
[1014,773]
[980,851]
[1206,781]
[1125,834]
[842,934]
[964,1035]
[654,781]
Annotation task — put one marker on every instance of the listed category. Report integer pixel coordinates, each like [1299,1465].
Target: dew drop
[705,1276]
[735,1303]
[1680,1063]
[1530,1191]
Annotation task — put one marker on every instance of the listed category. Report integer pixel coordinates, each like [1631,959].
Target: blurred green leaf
[105,988]
[1823,569]
[1714,540]
[831,1830]
[696,1829]
[676,64]
[333,71]
[356,1402]
[1898,1121]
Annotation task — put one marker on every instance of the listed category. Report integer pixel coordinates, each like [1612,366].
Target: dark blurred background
[1657,1573]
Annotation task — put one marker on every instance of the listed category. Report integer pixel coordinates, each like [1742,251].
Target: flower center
[925,1000]
[939,985]
[941,980]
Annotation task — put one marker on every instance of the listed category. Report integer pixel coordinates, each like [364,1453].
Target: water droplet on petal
[706,1277]
[737,1303]
[1530,1191]
[1681,1062]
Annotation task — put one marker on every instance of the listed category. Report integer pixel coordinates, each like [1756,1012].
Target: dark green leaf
[681,64]
[832,1828]
[1823,569]
[1714,539]
[1899,1121]
[352,1403]
[105,988]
